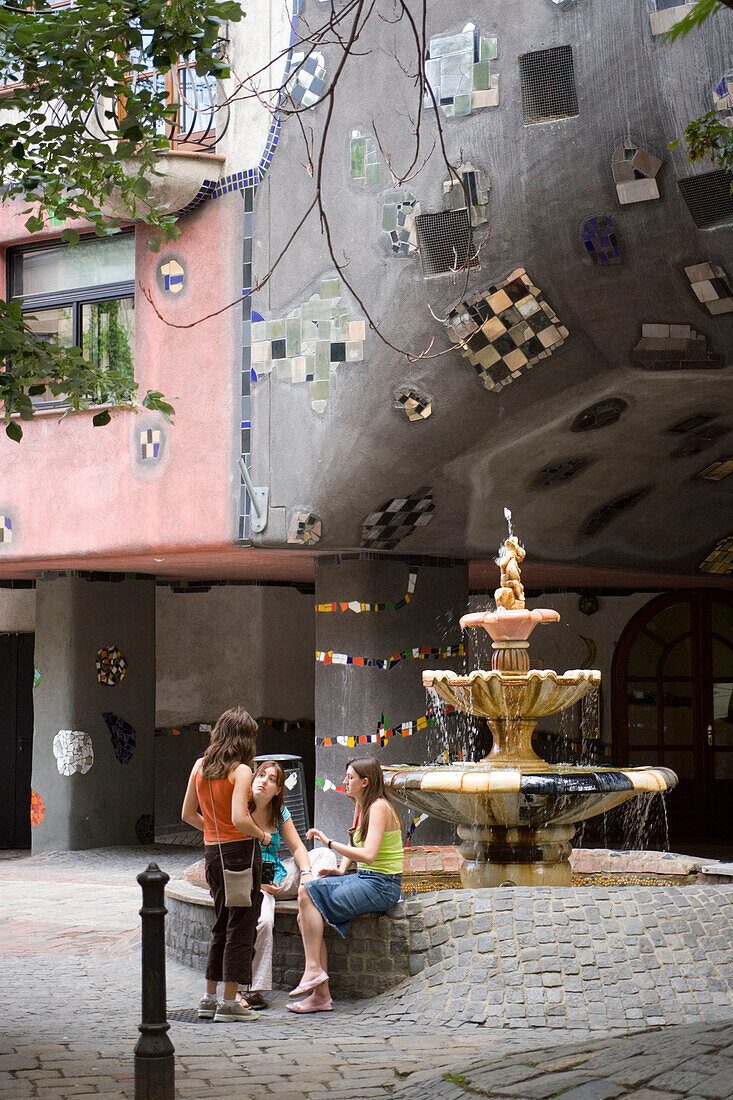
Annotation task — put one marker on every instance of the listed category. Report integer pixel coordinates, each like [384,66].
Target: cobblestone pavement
[69,938]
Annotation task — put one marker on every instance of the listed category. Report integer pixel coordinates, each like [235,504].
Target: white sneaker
[207,1007]
[232,1013]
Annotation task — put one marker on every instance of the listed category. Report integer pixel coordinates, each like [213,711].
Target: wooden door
[673,688]
[16,739]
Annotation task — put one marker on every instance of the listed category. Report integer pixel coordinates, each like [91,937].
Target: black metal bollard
[154,1052]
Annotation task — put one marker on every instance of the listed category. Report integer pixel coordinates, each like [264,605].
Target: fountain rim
[484,777]
[456,679]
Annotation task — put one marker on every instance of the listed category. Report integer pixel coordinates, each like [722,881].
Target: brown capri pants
[233,936]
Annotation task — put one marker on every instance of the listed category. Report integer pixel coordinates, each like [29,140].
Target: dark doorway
[16,739]
[673,705]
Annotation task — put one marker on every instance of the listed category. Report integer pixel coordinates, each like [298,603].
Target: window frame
[75,297]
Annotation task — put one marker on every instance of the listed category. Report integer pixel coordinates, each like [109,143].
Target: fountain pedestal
[497,856]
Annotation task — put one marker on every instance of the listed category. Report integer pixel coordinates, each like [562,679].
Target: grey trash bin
[296,798]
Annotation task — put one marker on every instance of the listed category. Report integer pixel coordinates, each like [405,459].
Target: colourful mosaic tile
[633,170]
[394,520]
[150,443]
[111,666]
[73,751]
[505,330]
[674,347]
[415,406]
[37,676]
[304,528]
[600,240]
[306,81]
[720,560]
[405,729]
[310,343]
[38,810]
[145,829]
[423,653]
[458,69]
[710,286]
[357,607]
[723,96]
[472,184]
[172,273]
[399,236]
[122,736]
[364,167]
[6,529]
[663,15]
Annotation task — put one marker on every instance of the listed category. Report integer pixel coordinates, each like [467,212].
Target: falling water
[508,518]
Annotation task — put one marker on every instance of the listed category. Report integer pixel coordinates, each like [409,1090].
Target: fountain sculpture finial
[510,595]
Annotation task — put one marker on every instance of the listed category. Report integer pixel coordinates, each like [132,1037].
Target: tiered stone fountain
[516,814]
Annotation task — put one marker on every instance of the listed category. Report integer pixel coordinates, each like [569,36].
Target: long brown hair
[277,800]
[233,741]
[369,768]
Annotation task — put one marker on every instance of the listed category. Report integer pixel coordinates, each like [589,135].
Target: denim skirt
[340,899]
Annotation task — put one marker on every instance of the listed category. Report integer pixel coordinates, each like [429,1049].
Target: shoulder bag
[237,884]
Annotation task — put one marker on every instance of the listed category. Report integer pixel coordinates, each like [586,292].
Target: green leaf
[14,430]
[101,418]
[70,236]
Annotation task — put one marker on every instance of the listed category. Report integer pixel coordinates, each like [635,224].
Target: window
[708,197]
[445,242]
[80,296]
[547,83]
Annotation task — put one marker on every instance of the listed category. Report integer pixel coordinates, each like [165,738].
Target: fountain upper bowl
[510,626]
[512,696]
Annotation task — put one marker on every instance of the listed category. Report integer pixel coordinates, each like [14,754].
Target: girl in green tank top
[335,898]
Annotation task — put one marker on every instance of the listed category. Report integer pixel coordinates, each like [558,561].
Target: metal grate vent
[599,416]
[692,422]
[557,473]
[446,242]
[708,197]
[698,441]
[547,82]
[602,516]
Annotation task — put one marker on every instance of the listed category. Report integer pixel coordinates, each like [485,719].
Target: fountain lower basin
[517,824]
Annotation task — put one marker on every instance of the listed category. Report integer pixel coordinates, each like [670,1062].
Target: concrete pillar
[75,619]
[350,699]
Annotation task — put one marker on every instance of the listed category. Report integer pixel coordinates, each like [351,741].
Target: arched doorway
[673,704]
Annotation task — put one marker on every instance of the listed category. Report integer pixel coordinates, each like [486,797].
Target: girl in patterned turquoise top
[267,805]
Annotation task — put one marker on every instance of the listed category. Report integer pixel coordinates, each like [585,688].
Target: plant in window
[60,63]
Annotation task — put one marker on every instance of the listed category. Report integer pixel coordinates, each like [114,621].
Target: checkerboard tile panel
[394,520]
[720,560]
[711,286]
[506,330]
[307,78]
[416,406]
[6,529]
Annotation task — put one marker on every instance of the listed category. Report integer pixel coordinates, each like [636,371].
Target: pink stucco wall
[72,488]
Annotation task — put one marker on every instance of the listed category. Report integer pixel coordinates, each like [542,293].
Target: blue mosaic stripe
[247,183]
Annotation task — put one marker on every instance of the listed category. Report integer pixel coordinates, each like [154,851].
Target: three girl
[242,820]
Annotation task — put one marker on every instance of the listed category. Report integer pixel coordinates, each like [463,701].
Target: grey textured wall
[234,644]
[17,610]
[238,643]
[74,619]
[349,699]
[479,450]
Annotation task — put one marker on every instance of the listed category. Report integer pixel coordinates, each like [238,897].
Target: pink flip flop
[304,1008]
[312,983]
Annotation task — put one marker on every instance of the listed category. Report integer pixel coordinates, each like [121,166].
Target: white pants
[320,859]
